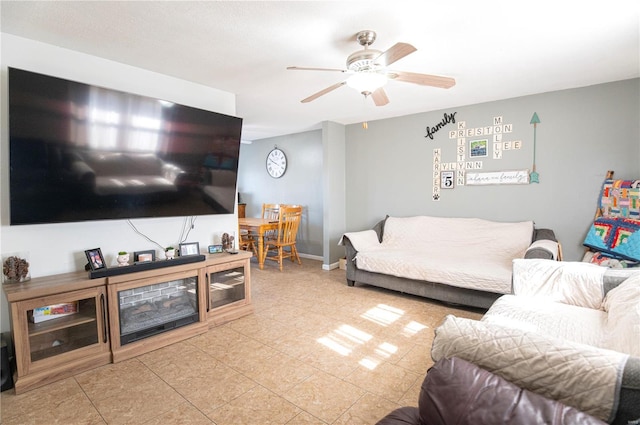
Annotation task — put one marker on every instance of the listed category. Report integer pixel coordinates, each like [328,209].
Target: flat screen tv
[80,152]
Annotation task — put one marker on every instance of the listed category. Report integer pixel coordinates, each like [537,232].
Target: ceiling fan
[369,72]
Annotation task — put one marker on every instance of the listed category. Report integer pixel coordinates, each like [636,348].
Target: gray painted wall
[301,184]
[583,133]
[334,221]
[387,169]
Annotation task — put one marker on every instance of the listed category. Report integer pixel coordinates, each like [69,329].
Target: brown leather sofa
[458,392]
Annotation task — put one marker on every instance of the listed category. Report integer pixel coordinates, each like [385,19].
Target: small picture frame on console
[214,249]
[96,260]
[144,256]
[189,248]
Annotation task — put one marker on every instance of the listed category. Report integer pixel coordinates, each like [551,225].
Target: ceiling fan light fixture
[367,82]
[369,71]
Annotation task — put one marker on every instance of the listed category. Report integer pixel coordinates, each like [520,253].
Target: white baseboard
[311,257]
[319,258]
[330,266]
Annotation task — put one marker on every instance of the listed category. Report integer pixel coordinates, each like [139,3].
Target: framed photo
[144,256]
[189,248]
[478,148]
[447,180]
[96,260]
[213,249]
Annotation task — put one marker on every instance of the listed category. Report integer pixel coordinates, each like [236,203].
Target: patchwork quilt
[620,198]
[616,233]
[618,237]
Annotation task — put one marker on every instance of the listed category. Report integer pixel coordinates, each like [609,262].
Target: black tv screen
[80,152]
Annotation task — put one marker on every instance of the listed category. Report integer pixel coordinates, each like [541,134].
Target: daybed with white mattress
[570,332]
[457,260]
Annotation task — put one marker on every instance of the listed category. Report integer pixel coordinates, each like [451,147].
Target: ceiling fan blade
[395,53]
[300,68]
[379,97]
[323,92]
[423,79]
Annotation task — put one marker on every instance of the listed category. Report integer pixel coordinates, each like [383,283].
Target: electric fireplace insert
[152,309]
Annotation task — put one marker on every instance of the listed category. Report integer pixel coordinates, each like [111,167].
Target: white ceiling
[495,49]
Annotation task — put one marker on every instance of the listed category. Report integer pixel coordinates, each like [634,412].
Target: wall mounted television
[81,152]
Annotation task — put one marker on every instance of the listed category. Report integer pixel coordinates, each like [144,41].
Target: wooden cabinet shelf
[61,347]
[61,323]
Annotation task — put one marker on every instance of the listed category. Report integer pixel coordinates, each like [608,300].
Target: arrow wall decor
[534,176]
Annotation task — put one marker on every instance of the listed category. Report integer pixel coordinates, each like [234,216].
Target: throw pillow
[618,237]
[568,282]
[623,320]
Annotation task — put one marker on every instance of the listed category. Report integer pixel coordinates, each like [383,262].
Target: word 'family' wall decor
[474,145]
[447,119]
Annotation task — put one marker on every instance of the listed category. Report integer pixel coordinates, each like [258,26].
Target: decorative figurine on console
[123,258]
[15,269]
[227,242]
[170,252]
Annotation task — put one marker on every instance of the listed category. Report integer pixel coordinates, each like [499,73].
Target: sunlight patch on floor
[413,328]
[383,314]
[381,353]
[386,350]
[344,339]
[353,334]
[334,345]
[369,363]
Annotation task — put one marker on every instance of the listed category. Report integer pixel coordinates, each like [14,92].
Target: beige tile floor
[314,352]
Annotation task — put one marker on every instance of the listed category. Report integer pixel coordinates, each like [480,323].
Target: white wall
[59,248]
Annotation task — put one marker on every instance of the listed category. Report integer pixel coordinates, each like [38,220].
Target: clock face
[276,163]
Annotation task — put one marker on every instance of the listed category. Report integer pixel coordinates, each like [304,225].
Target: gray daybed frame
[433,290]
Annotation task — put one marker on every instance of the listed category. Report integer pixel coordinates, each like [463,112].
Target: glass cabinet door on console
[228,291]
[59,332]
[225,287]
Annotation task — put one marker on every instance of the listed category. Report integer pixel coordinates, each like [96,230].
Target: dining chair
[271,212]
[246,241]
[288,224]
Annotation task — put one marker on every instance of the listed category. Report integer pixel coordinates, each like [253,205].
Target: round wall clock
[276,163]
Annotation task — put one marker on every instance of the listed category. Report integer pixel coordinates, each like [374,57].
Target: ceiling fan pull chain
[365,124]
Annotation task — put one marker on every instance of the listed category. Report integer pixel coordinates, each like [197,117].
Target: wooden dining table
[258,226]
